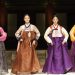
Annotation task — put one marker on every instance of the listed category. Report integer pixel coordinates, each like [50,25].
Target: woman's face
[27,19]
[55,20]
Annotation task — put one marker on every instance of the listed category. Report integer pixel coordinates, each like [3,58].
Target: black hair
[27,15]
[55,16]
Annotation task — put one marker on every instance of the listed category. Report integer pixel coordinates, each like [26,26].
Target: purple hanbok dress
[58,60]
[3,64]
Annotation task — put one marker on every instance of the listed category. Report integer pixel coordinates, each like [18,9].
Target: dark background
[12,12]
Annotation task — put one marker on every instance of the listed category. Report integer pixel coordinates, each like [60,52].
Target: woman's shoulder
[22,26]
[73,26]
[50,27]
[1,28]
[33,26]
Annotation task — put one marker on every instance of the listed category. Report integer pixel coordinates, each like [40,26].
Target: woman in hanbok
[26,59]
[72,37]
[58,60]
[3,63]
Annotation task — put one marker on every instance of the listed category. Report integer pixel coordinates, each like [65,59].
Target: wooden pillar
[2,14]
[49,14]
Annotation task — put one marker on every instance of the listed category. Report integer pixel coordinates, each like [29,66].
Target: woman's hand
[63,42]
[51,43]
[21,39]
[34,42]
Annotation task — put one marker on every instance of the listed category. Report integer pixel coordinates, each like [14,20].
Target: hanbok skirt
[58,60]
[3,63]
[73,55]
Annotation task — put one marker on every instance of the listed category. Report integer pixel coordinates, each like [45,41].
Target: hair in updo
[26,15]
[55,16]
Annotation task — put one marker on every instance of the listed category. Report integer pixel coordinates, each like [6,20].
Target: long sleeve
[72,33]
[65,33]
[3,35]
[37,32]
[18,33]
[46,37]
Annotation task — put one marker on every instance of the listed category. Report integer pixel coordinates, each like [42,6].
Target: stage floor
[70,73]
[10,55]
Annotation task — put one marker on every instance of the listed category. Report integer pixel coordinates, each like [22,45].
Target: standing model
[58,61]
[72,37]
[3,63]
[26,58]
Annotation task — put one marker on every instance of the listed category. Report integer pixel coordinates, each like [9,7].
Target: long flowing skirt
[26,57]
[73,55]
[3,63]
[58,60]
